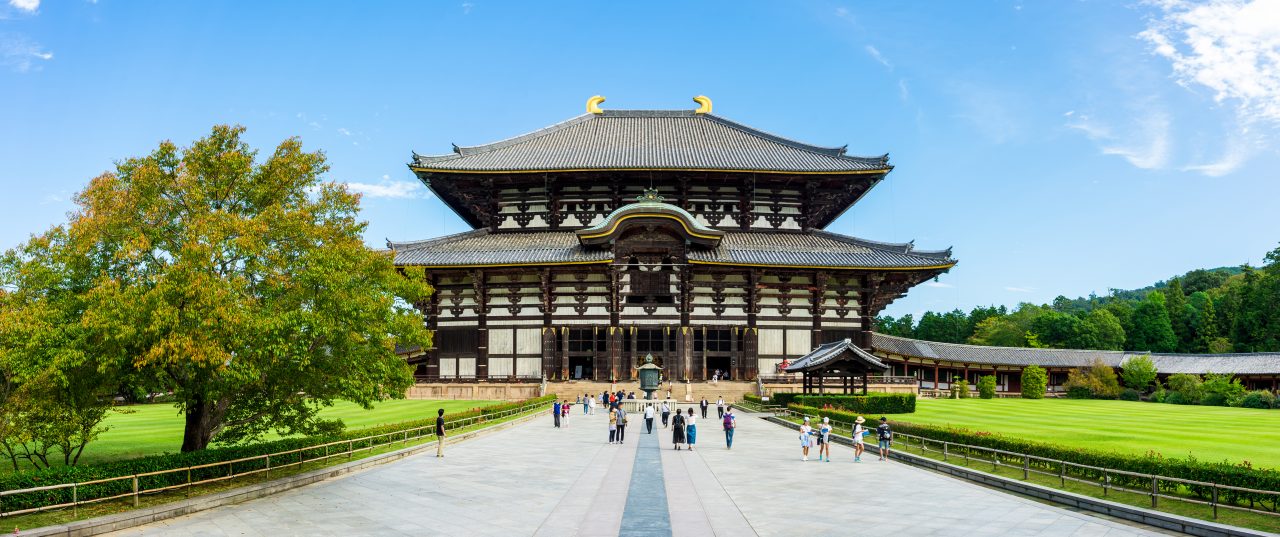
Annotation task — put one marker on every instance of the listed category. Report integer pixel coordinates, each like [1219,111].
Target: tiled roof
[1239,364]
[650,139]
[817,248]
[830,351]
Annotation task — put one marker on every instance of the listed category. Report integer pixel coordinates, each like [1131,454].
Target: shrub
[1130,394]
[1258,399]
[1187,385]
[959,388]
[1078,392]
[1034,380]
[879,403]
[1176,398]
[1223,390]
[1097,381]
[1159,394]
[987,386]
[1138,373]
[1240,475]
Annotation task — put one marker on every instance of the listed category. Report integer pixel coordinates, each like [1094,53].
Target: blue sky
[1059,147]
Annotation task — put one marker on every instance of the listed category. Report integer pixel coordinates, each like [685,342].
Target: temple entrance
[581,367]
[656,340]
[721,363]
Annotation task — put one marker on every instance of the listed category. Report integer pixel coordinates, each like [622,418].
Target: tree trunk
[202,420]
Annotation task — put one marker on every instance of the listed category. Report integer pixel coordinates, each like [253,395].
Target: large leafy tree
[1152,330]
[242,285]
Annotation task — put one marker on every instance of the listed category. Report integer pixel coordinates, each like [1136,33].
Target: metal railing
[1110,480]
[135,485]
[474,378]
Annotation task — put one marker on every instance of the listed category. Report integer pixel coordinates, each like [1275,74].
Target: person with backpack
[677,429]
[666,414]
[730,423]
[824,439]
[648,419]
[613,424]
[622,423]
[885,436]
[858,432]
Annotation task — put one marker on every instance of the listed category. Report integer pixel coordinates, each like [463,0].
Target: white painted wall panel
[798,342]
[529,367]
[529,341]
[500,367]
[500,342]
[770,341]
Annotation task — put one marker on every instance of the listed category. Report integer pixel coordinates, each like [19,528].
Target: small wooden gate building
[842,360]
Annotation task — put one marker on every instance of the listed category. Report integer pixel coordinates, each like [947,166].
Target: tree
[1097,381]
[998,332]
[901,326]
[1188,387]
[1139,373]
[1034,381]
[1103,331]
[1152,330]
[1202,319]
[1175,305]
[949,327]
[244,284]
[987,386]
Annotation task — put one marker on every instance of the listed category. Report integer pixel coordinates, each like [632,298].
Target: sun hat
[860,420]
[806,418]
[825,419]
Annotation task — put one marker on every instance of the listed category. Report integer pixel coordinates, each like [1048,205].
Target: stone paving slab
[534,479]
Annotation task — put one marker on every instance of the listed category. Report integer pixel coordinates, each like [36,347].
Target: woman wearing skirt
[677,429]
[691,430]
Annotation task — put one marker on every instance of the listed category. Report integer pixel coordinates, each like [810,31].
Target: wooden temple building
[676,233]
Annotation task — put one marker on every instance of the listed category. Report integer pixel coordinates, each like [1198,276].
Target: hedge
[1222,473]
[152,463]
[882,403]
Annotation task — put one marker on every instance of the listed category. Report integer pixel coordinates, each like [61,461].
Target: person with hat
[885,437]
[806,432]
[858,432]
[824,439]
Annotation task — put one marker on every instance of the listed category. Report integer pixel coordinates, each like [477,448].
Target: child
[824,439]
[806,433]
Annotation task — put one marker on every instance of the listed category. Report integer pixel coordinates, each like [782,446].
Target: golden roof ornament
[593,104]
[650,195]
[704,104]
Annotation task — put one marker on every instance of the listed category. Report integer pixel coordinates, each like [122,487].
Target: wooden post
[135,492]
[865,374]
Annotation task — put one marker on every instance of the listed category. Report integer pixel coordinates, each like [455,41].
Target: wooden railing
[474,378]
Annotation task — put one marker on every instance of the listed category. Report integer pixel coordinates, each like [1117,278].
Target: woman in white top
[858,432]
[824,439]
[806,434]
[691,430]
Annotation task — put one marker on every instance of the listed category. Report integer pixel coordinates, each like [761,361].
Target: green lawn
[1208,433]
[151,429]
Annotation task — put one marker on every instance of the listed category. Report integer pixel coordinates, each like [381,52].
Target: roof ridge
[972,346]
[838,152]
[393,245]
[907,248]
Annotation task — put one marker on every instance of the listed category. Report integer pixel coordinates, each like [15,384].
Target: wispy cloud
[343,131]
[878,57]
[386,188]
[466,8]
[1231,47]
[21,54]
[1145,144]
[30,6]
[1020,289]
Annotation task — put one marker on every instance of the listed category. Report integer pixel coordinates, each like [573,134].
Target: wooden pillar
[482,330]
[935,376]
[564,353]
[822,376]
[550,368]
[432,317]
[748,367]
[865,374]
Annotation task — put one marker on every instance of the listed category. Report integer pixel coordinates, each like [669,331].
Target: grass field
[1208,433]
[152,429]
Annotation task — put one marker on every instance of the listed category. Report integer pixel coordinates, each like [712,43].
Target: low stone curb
[138,517]
[1158,519]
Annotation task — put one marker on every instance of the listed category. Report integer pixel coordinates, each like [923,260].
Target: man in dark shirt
[440,433]
[555,412]
[704,404]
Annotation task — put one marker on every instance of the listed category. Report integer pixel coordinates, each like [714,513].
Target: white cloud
[1020,289]
[1231,47]
[877,56]
[904,92]
[344,131]
[937,284]
[390,189]
[466,8]
[22,54]
[30,6]
[843,12]
[1145,144]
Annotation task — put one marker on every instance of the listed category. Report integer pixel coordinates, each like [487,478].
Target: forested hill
[1228,309]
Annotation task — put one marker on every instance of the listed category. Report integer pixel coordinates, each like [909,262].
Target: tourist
[613,424]
[691,430]
[564,413]
[648,419]
[622,423]
[668,393]
[586,404]
[885,437]
[631,395]
[806,439]
[591,402]
[824,439]
[720,407]
[666,414]
[677,429]
[704,404]
[730,423]
[858,432]
[440,433]
[555,412]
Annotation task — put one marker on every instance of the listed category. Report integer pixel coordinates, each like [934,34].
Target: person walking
[622,423]
[704,404]
[586,403]
[677,429]
[858,432]
[555,412]
[666,414]
[730,423]
[720,407]
[613,425]
[806,439]
[648,419]
[440,433]
[824,439]
[691,430]
[884,436]
[564,413]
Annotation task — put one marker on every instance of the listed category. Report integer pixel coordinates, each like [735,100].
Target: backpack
[728,421]
[883,431]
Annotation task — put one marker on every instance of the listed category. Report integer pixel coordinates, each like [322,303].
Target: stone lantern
[649,375]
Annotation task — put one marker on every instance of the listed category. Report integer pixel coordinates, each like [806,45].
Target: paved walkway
[536,480]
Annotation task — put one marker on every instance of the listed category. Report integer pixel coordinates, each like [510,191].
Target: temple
[623,233]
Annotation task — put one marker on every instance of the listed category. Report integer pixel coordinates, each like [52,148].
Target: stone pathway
[534,479]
